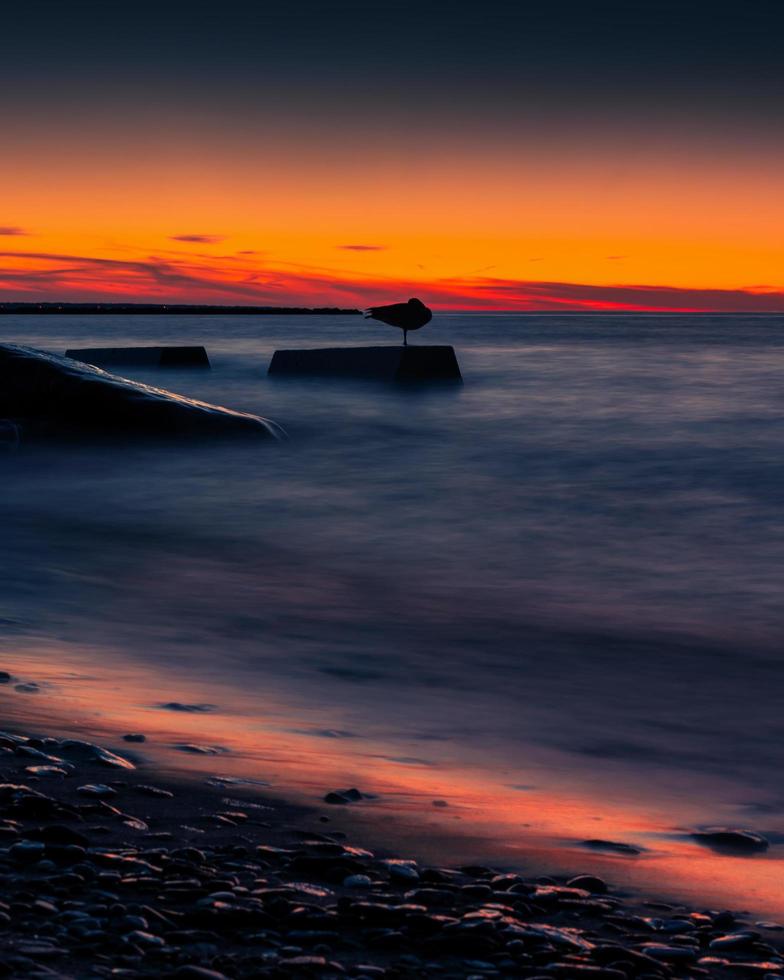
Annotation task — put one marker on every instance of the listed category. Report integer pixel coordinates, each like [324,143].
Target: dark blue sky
[721,60]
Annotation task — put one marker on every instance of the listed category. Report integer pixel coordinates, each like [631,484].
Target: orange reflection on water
[449,813]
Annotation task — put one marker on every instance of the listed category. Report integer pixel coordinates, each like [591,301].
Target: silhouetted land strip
[182,309]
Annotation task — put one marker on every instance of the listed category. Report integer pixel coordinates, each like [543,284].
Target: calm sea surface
[550,598]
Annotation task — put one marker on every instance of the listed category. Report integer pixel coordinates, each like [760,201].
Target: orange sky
[541,221]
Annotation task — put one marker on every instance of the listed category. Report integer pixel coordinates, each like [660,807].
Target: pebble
[45,772]
[669,954]
[191,972]
[81,884]
[357,881]
[134,737]
[156,791]
[589,883]
[99,791]
[340,797]
[402,870]
[87,752]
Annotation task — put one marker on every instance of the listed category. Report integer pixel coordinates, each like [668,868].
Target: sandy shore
[109,870]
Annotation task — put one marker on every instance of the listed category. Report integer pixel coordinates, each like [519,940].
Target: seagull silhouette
[408,316]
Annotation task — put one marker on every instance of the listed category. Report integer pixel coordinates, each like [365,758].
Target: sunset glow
[498,194]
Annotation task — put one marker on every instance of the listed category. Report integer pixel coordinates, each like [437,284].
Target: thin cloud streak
[362,248]
[183,277]
[12,230]
[199,239]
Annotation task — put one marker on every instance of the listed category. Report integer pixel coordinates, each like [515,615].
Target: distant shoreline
[193,309]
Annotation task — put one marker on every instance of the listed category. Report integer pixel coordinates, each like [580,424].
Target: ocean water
[549,599]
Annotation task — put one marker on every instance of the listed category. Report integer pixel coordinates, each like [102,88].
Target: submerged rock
[340,797]
[141,356]
[729,841]
[54,397]
[382,363]
[614,847]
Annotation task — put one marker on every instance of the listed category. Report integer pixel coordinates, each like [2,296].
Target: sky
[578,154]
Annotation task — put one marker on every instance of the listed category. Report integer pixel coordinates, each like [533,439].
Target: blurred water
[565,573]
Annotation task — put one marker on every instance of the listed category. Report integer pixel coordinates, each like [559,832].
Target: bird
[408,316]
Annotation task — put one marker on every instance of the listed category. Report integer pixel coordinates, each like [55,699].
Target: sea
[531,617]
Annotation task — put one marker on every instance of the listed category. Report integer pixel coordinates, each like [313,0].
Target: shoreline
[450,817]
[108,864]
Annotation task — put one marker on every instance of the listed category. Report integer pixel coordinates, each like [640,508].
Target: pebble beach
[107,870]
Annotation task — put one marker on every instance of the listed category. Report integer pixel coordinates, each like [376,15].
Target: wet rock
[28,688]
[733,941]
[729,841]
[5,677]
[191,972]
[98,791]
[341,797]
[134,737]
[154,791]
[56,398]
[357,881]
[669,954]
[614,847]
[193,749]
[589,883]
[584,971]
[404,871]
[81,751]
[46,772]
[26,851]
[750,968]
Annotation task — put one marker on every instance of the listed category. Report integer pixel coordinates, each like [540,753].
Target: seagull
[408,316]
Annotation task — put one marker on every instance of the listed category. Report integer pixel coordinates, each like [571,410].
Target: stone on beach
[93,893]
[52,397]
[76,749]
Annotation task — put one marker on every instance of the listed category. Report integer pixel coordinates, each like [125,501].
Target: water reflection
[563,576]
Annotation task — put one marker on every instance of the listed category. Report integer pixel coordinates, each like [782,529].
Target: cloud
[199,239]
[12,230]
[186,277]
[362,248]
[490,293]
